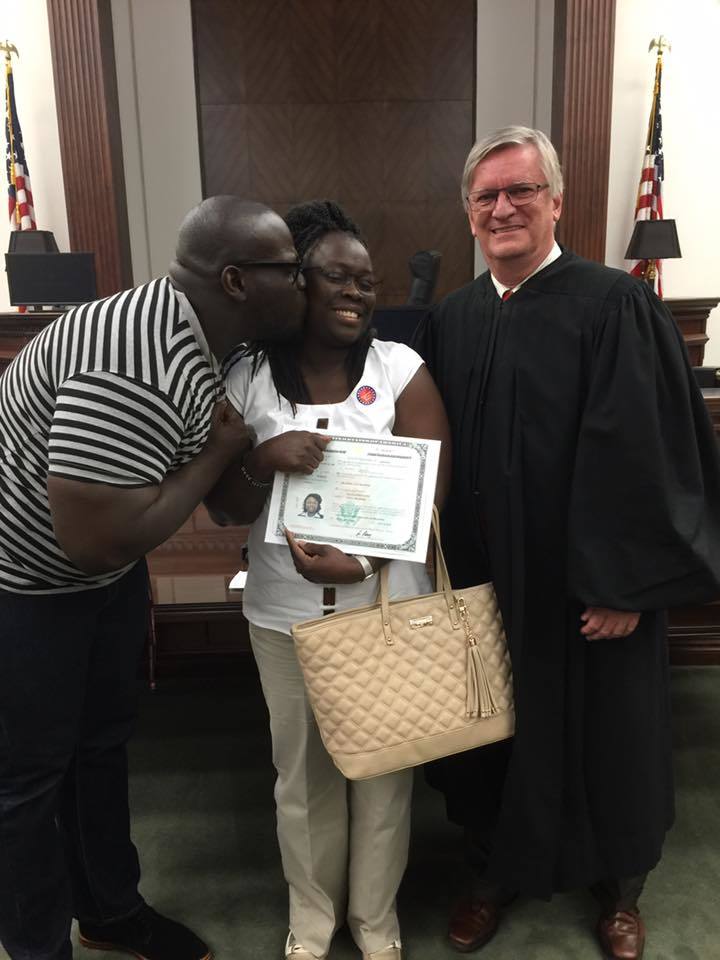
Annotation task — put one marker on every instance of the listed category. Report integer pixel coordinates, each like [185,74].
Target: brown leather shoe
[622,935]
[472,924]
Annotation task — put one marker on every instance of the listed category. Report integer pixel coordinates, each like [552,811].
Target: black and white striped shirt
[120,392]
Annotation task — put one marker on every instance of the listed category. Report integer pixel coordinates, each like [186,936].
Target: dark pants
[69,684]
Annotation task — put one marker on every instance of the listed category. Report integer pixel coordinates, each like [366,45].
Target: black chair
[399,323]
[424,267]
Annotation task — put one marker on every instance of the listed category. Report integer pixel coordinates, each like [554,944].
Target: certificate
[370,495]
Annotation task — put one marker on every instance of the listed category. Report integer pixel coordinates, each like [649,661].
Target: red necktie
[507,294]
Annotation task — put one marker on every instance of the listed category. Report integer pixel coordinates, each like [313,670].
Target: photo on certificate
[371,495]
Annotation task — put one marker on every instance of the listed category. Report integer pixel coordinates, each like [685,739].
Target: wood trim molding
[695,652]
[215,542]
[25,325]
[581,120]
[692,308]
[696,647]
[83,56]
[199,612]
[691,316]
[694,635]
[692,312]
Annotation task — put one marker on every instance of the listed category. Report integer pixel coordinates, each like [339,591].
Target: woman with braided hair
[343,844]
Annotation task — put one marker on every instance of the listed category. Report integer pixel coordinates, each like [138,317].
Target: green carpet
[201,792]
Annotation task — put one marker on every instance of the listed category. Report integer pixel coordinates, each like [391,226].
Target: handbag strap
[442,584]
[442,577]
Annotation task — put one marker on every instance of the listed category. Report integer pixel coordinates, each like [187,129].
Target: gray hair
[510,136]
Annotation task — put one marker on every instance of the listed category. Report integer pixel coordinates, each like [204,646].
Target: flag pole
[9,49]
[662,44]
[648,205]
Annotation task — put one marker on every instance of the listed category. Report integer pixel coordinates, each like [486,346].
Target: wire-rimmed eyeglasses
[518,195]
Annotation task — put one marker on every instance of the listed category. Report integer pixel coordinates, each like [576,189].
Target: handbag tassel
[480,700]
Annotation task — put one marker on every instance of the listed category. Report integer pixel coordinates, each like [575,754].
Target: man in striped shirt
[113,428]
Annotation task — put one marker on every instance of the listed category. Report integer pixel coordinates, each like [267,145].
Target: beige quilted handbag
[406,681]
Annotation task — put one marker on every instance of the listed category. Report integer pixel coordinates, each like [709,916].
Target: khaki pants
[342,842]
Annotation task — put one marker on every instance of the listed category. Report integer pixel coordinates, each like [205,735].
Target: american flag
[649,204]
[20,198]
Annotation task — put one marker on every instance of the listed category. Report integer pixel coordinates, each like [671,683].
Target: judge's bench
[197,621]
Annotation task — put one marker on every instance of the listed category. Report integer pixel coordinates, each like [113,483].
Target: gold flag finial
[662,43]
[8,49]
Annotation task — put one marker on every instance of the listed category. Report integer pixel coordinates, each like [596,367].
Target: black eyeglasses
[293,266]
[341,278]
[518,194]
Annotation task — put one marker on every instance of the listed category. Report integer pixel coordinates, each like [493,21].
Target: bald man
[113,428]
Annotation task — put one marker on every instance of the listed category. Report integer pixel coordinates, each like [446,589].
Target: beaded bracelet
[251,479]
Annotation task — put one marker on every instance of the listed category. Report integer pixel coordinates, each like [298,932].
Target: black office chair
[399,323]
[424,267]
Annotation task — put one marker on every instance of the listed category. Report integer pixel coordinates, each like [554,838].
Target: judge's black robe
[585,472]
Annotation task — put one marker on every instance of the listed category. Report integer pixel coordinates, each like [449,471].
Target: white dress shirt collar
[553,255]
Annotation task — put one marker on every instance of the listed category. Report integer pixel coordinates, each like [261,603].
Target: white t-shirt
[275,595]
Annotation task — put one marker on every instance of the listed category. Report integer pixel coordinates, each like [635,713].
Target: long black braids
[308,223]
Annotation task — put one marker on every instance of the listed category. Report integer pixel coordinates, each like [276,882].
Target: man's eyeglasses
[294,267]
[518,195]
[340,278]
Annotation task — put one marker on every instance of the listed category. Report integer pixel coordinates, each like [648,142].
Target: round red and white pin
[366,395]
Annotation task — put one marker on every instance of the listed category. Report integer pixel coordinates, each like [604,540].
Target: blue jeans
[69,685]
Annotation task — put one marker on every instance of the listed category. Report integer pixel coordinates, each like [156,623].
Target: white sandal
[391,952]
[296,951]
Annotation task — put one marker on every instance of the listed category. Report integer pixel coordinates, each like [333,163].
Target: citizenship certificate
[371,495]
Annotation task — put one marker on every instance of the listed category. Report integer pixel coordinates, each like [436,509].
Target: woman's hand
[320,563]
[297,451]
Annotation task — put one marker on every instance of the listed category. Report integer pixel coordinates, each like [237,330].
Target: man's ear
[232,280]
[470,221]
[557,207]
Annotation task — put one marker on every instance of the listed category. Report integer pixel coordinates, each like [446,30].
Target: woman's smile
[352,316]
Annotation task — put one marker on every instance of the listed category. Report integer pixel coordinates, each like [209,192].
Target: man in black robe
[586,485]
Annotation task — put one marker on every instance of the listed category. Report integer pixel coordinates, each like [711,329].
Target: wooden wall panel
[360,73]
[370,104]
[582,106]
[83,57]
[354,55]
[226,157]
